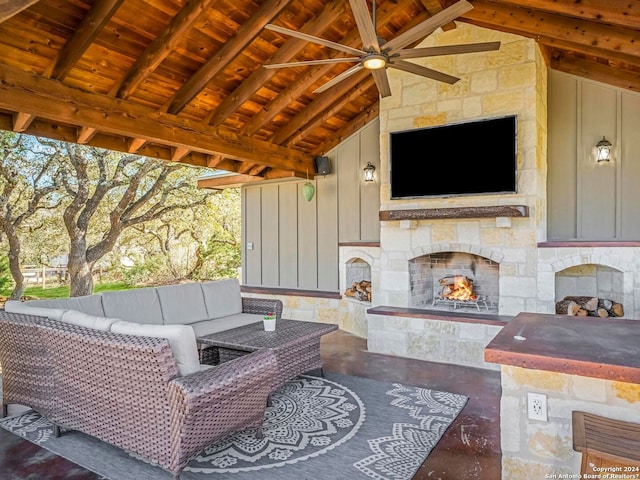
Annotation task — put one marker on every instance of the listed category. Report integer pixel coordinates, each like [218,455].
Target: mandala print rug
[317,428]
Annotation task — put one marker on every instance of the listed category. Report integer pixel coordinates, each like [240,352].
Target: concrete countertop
[607,348]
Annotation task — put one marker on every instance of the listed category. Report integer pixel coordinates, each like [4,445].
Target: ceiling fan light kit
[374,58]
[375,61]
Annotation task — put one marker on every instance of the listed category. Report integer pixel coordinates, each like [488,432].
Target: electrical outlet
[537,406]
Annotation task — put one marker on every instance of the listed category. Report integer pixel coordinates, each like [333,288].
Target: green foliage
[176,231]
[5,275]
[142,272]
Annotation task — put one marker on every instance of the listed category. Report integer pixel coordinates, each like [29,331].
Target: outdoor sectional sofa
[123,367]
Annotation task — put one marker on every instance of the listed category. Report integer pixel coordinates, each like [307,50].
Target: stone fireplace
[433,279]
[498,242]
[499,253]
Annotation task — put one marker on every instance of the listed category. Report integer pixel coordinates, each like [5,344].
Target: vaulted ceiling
[183,80]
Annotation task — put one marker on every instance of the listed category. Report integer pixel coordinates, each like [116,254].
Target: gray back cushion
[222,297]
[16,306]
[182,304]
[136,305]
[89,304]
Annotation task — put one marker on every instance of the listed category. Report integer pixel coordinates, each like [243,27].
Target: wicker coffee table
[295,343]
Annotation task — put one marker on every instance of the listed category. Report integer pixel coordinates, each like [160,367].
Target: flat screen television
[470,158]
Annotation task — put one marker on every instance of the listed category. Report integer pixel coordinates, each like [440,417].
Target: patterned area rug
[317,428]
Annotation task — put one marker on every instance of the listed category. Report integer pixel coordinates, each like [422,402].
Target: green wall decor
[308,190]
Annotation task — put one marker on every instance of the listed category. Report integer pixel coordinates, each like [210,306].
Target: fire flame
[461,290]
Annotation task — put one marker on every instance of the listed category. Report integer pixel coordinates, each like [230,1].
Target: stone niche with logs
[585,306]
[358,280]
[360,291]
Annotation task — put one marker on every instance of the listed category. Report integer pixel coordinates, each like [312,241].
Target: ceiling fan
[377,55]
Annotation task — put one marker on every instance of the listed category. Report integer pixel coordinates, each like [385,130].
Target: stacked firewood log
[582,306]
[360,291]
[457,287]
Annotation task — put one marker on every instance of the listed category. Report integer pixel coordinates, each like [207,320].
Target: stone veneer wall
[492,84]
[533,449]
[443,341]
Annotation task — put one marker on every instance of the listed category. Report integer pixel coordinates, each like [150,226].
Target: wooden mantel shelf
[456,212]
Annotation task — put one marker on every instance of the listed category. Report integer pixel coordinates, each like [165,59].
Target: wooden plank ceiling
[182,80]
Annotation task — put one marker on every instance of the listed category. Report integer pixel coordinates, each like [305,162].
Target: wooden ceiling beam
[597,71]
[312,75]
[257,170]
[9,8]
[227,181]
[274,173]
[229,165]
[611,57]
[231,49]
[68,133]
[214,160]
[433,7]
[32,94]
[537,25]
[287,52]
[161,47]
[318,106]
[85,134]
[367,116]
[135,144]
[82,38]
[178,153]
[332,110]
[622,13]
[246,168]
[21,121]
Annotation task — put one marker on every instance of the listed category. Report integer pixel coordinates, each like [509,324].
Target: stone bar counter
[585,364]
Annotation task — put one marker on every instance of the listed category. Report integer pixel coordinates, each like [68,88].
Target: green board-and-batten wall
[295,242]
[589,200]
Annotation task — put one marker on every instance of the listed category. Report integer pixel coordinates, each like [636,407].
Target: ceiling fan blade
[365,25]
[382,82]
[312,39]
[429,25]
[312,62]
[424,71]
[338,78]
[447,50]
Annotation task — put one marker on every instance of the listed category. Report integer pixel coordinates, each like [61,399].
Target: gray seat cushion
[90,304]
[225,323]
[139,305]
[222,297]
[182,304]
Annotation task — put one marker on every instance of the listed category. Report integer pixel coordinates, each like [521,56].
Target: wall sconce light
[369,170]
[604,150]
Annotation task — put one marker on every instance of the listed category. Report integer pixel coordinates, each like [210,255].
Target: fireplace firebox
[454,281]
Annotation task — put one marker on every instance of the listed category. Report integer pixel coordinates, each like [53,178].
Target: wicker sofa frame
[125,390]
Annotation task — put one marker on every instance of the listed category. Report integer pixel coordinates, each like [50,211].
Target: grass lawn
[62,292]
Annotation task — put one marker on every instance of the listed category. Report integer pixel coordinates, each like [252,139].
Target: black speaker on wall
[323,165]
